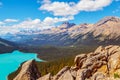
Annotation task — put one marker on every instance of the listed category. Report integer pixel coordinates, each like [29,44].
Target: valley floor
[56,58]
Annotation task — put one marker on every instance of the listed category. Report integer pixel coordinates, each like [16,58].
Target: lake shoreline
[14,60]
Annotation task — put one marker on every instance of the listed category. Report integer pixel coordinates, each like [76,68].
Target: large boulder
[102,64]
[61,72]
[79,59]
[83,74]
[29,71]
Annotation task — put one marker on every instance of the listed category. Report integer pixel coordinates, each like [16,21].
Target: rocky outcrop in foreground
[29,71]
[102,64]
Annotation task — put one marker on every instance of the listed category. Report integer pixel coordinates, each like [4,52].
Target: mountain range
[106,31]
[6,46]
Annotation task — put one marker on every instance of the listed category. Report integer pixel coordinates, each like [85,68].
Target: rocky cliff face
[102,64]
[28,71]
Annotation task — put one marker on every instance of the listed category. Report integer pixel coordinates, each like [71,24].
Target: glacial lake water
[9,62]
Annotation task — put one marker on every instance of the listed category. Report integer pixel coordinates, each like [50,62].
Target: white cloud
[92,5]
[1,23]
[28,24]
[32,25]
[52,21]
[63,9]
[68,9]
[59,8]
[10,20]
[7,21]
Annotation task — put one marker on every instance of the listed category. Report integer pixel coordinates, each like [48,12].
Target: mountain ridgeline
[6,46]
[106,31]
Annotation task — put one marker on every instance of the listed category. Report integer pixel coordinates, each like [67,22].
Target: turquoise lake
[9,62]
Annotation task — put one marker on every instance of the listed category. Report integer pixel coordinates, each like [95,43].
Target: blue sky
[22,9]
[48,13]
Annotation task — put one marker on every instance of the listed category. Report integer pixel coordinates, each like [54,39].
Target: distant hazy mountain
[6,46]
[105,31]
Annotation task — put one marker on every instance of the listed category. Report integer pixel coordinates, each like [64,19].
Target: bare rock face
[102,64]
[66,76]
[61,72]
[108,27]
[83,74]
[99,65]
[46,77]
[28,71]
